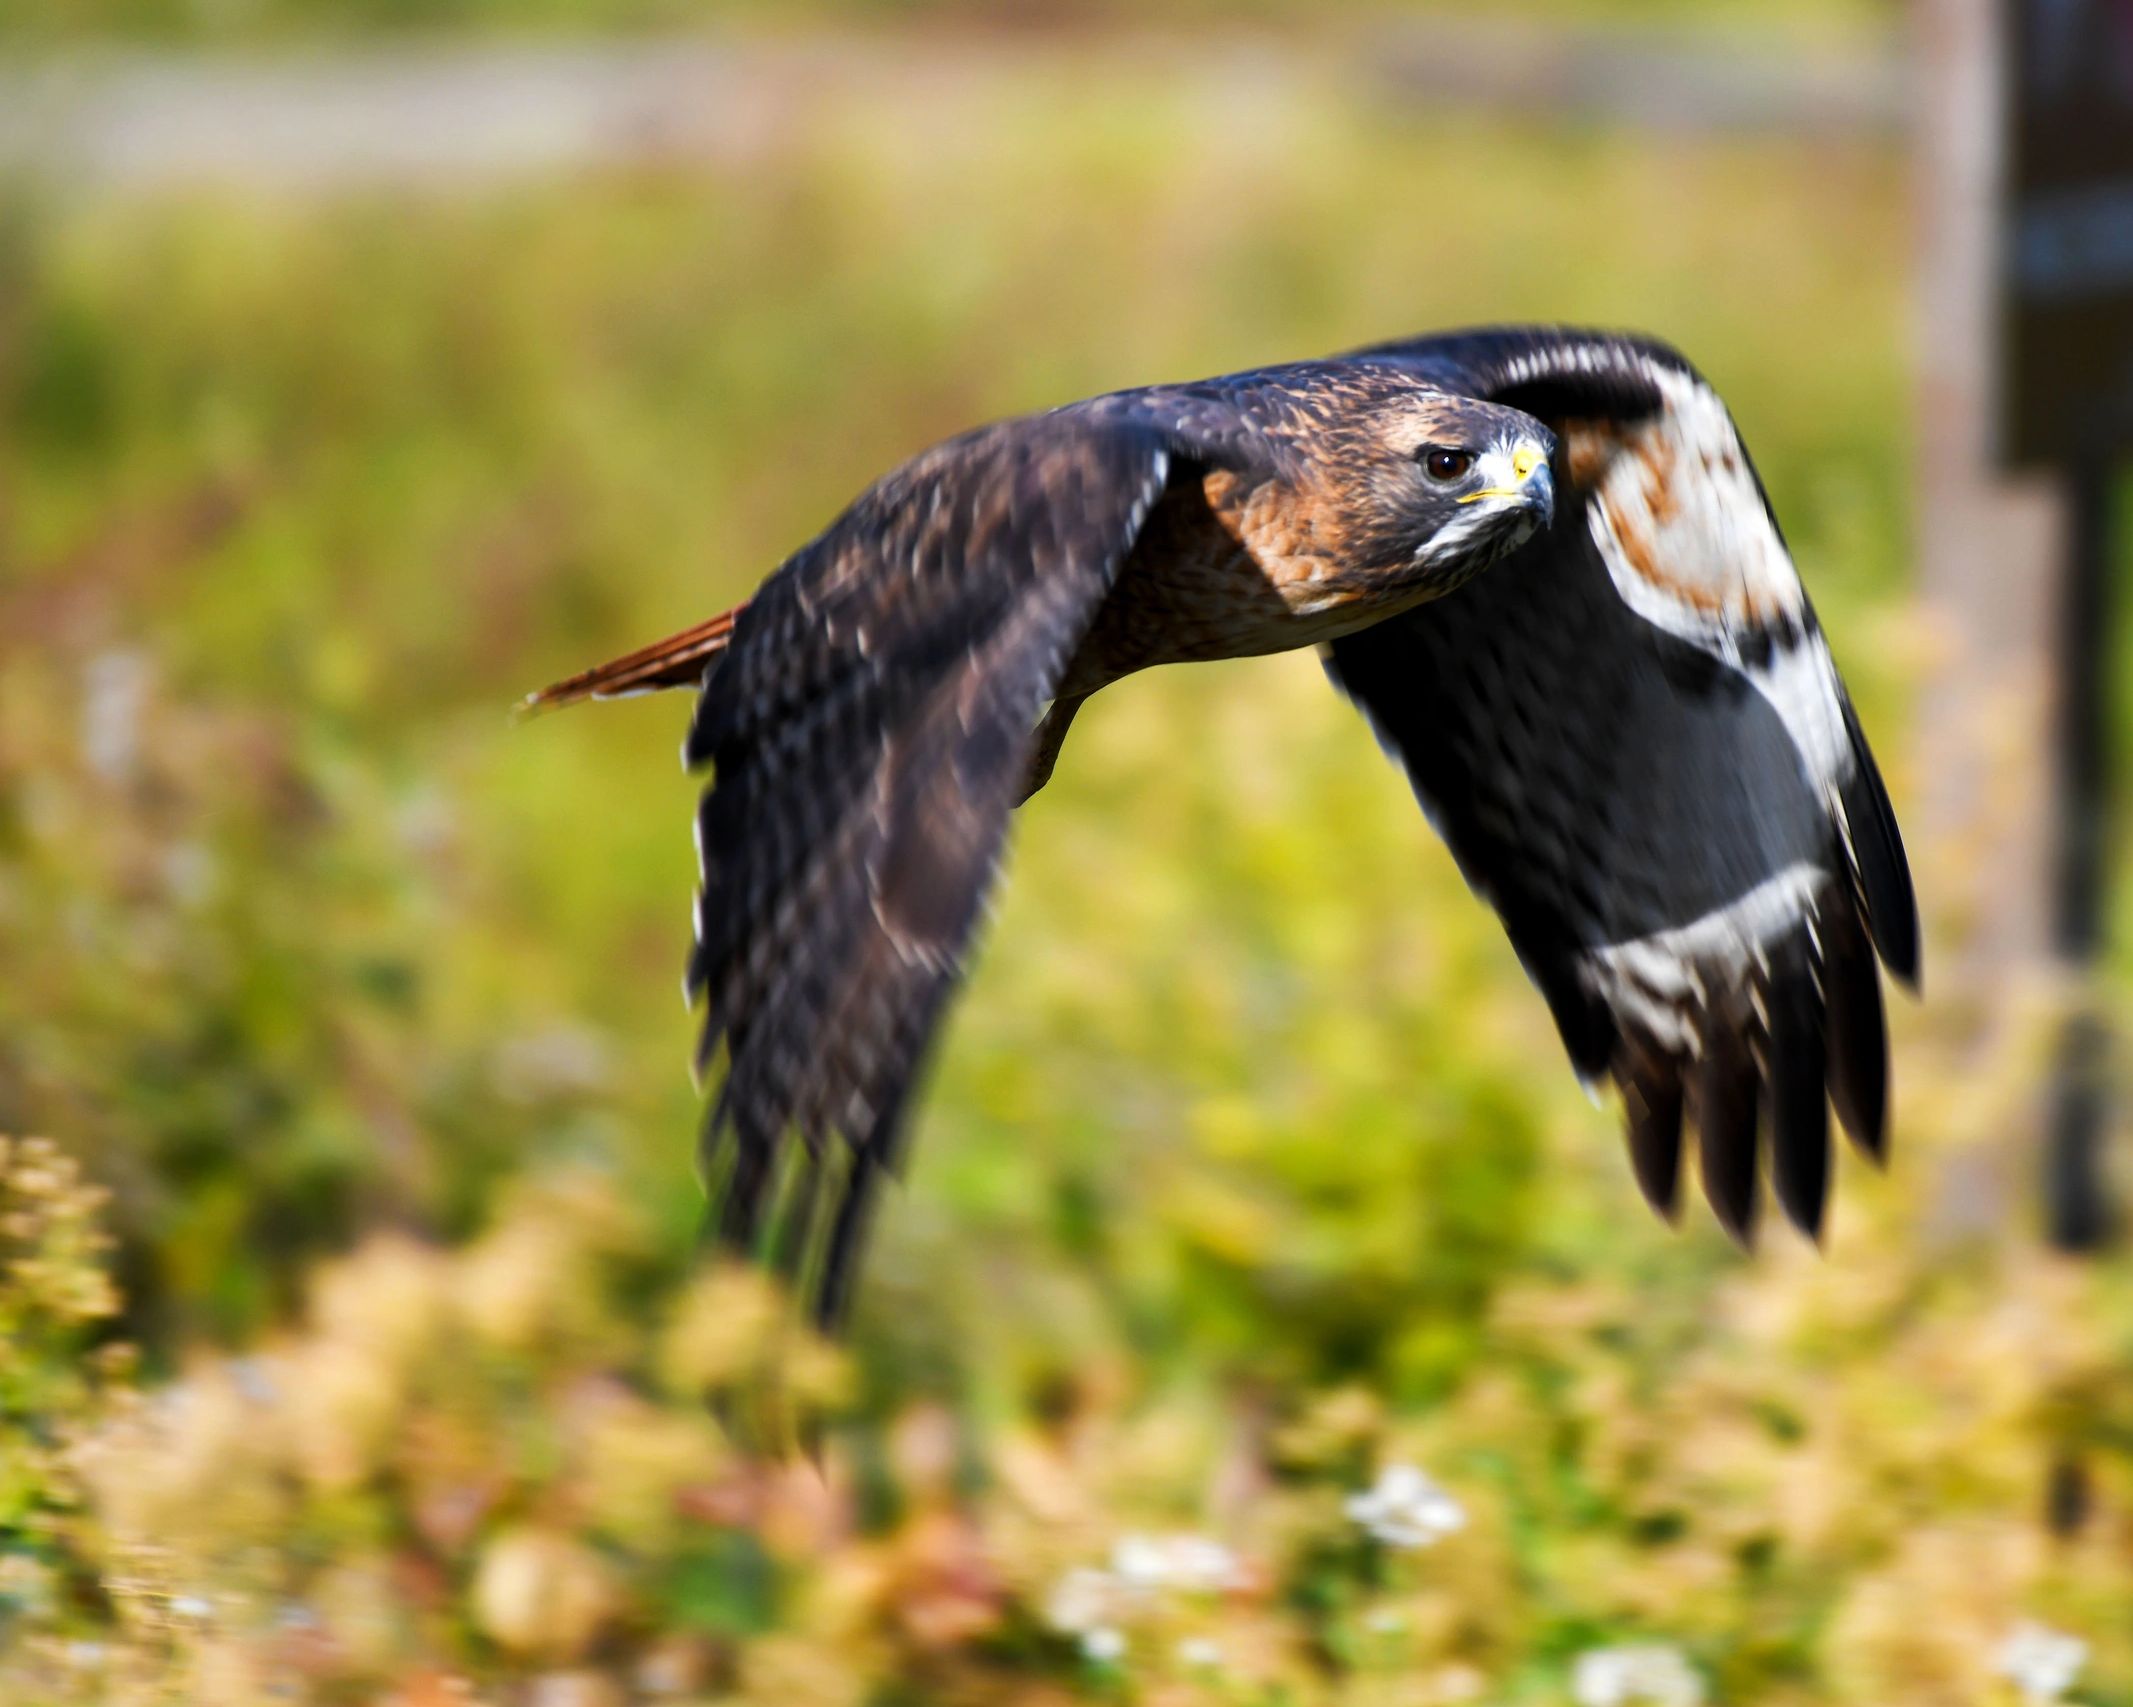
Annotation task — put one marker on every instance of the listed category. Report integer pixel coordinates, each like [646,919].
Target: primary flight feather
[1537,559]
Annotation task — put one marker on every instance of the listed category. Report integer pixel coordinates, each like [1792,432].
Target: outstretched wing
[868,726]
[1633,738]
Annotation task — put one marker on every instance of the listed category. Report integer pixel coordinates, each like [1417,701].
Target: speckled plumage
[1627,729]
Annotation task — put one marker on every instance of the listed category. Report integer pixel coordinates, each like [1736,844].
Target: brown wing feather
[868,729]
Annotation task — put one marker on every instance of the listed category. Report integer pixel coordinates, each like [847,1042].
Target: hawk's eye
[1446,465]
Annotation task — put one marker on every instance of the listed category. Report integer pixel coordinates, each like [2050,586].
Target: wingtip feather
[1799,1105]
[1856,1026]
[1727,1098]
[1884,869]
[1652,1107]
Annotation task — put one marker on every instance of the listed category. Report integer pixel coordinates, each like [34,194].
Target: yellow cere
[1524,461]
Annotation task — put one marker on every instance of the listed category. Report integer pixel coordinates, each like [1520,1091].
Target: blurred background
[367,363]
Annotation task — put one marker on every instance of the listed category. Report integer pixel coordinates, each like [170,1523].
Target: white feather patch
[1682,525]
[1689,544]
[1656,982]
[1800,682]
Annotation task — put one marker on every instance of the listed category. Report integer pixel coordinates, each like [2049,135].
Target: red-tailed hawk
[1541,564]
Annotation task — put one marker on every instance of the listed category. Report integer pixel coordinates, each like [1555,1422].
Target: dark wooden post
[2077,1207]
[2025,161]
[2058,256]
[2064,270]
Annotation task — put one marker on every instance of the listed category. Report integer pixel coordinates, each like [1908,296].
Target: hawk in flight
[1540,563]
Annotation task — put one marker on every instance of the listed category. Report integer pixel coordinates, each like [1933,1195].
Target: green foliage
[55,1297]
[309,21]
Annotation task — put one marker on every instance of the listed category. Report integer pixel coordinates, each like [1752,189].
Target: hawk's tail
[675,662]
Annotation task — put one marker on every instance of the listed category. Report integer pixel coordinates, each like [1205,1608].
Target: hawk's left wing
[1633,739]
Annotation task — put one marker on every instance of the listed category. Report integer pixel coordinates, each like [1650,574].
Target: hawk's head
[1440,487]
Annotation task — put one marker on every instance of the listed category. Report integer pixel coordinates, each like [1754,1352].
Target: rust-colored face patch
[1292,533]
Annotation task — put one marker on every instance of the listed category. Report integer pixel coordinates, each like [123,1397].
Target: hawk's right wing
[1632,737]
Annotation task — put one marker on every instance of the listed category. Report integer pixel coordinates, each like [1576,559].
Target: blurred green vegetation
[1251,1161]
[256,22]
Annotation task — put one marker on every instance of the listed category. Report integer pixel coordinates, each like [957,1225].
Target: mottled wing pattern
[1633,738]
[868,729]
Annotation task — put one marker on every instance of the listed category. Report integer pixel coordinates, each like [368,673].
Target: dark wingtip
[1799,1106]
[737,1207]
[871,1161]
[1651,1106]
[1856,1028]
[1884,871]
[847,1239]
[1727,1097]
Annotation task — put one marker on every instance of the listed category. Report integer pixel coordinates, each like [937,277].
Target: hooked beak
[1523,477]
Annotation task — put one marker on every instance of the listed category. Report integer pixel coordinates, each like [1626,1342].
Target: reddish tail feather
[675,662]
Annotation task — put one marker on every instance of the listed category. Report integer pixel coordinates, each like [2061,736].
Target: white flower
[2041,1663]
[1459,1683]
[114,694]
[1200,1565]
[1191,1564]
[1092,1604]
[1141,1563]
[1080,1601]
[1103,1644]
[1200,1653]
[189,873]
[254,1378]
[1648,1672]
[1406,1509]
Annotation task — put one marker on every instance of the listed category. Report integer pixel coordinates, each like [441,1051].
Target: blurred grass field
[1251,1161]
[255,23]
